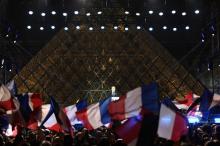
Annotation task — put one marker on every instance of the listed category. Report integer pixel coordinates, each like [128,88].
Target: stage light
[30,12]
[66,28]
[91,28]
[196,11]
[173,11]
[126,28]
[99,12]
[161,14]
[138,14]
[14,41]
[10,70]
[151,12]
[53,13]
[193,120]
[7,36]
[88,14]
[127,12]
[76,12]
[151,29]
[43,14]
[52,27]
[174,29]
[183,13]
[64,14]
[28,27]
[203,40]
[138,27]
[102,27]
[115,27]
[77,27]
[164,27]
[187,27]
[41,28]
[217,120]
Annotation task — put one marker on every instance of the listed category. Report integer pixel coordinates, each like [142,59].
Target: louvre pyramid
[78,64]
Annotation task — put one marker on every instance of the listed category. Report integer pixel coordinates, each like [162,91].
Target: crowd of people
[199,135]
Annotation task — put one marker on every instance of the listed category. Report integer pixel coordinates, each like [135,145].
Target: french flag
[6,100]
[72,109]
[130,105]
[130,131]
[95,115]
[172,125]
[30,106]
[54,118]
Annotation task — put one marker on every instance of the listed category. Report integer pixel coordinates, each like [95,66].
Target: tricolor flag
[130,131]
[30,106]
[72,109]
[172,125]
[95,115]
[6,100]
[131,104]
[54,118]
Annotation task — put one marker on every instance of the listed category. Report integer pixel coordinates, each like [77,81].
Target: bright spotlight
[52,27]
[138,14]
[151,28]
[217,120]
[151,12]
[99,12]
[196,11]
[127,12]
[14,41]
[187,27]
[43,14]
[64,14]
[10,70]
[88,14]
[174,29]
[126,28]
[7,36]
[183,13]
[138,27]
[193,120]
[76,12]
[203,40]
[3,61]
[77,27]
[30,12]
[91,28]
[161,14]
[41,28]
[164,27]
[66,28]
[115,27]
[28,27]
[102,27]
[53,13]
[173,11]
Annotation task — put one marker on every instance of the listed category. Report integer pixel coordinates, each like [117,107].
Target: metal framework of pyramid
[78,64]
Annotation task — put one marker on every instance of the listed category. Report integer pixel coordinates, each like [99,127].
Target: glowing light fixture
[53,13]
[173,11]
[151,12]
[30,12]
[43,14]
[161,14]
